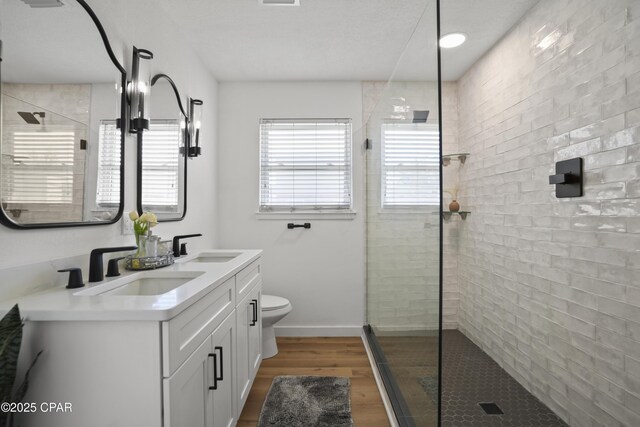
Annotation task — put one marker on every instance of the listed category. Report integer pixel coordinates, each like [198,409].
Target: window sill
[327,215]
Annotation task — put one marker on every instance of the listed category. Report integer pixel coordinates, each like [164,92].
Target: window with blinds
[161,165]
[305,164]
[108,186]
[410,165]
[38,166]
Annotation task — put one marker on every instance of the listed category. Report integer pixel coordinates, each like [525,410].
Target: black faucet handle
[75,277]
[112,268]
[183,249]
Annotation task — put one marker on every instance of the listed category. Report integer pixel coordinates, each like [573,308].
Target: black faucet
[176,244]
[96,269]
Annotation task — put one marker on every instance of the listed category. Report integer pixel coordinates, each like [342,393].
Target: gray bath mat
[303,401]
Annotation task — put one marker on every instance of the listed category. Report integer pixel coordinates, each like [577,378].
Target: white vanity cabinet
[201,393]
[187,400]
[193,370]
[249,348]
[212,385]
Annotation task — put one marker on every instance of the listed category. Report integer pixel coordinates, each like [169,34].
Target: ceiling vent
[279,2]
[43,3]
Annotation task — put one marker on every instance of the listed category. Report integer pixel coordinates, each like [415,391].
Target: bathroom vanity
[174,347]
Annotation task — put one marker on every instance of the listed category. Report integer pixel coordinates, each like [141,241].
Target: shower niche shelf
[460,157]
[448,214]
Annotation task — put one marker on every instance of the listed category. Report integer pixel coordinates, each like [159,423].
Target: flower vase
[141,243]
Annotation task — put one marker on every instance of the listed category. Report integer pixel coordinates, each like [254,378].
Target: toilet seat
[272,302]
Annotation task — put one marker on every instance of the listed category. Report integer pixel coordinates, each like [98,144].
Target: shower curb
[376,374]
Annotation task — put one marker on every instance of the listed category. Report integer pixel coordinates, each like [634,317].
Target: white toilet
[273,310]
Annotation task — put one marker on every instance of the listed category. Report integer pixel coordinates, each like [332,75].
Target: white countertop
[61,304]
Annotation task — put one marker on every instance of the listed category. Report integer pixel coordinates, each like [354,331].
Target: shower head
[43,3]
[30,118]
[420,116]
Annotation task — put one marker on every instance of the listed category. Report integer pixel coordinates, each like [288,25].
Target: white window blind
[410,165]
[38,166]
[161,165]
[305,164]
[108,187]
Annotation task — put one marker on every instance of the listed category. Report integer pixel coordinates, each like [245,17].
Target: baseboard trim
[318,331]
[376,374]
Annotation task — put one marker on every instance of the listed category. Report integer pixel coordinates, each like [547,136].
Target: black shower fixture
[420,116]
[30,118]
[43,3]
[568,178]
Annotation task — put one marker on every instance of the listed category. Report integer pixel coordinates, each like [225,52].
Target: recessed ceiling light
[279,2]
[452,40]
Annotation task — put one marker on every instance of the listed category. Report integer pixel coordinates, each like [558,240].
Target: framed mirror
[61,146]
[162,162]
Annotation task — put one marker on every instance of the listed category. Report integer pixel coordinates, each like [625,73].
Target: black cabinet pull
[215,372]
[255,311]
[254,314]
[221,364]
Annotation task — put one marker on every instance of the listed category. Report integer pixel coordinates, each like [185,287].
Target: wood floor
[339,356]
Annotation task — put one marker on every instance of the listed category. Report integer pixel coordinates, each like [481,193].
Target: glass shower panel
[403,224]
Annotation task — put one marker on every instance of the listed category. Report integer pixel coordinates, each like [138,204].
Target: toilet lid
[272,302]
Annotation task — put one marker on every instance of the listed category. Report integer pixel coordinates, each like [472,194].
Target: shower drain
[491,408]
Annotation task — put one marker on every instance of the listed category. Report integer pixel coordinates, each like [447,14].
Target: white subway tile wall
[550,288]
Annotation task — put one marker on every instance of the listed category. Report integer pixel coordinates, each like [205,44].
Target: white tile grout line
[383,392]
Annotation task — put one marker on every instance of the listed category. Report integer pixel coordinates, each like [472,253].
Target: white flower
[133,215]
[152,219]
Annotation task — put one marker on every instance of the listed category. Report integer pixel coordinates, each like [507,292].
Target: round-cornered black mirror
[63,102]
[162,162]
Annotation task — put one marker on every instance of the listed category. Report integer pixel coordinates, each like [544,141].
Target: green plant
[10,342]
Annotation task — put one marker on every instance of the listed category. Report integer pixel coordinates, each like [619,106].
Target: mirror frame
[154,80]
[5,220]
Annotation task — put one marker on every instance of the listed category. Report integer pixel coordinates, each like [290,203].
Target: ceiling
[242,40]
[63,38]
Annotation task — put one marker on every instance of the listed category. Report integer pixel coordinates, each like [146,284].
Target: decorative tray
[148,263]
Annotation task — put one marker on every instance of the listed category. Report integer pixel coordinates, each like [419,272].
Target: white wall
[549,287]
[140,23]
[320,270]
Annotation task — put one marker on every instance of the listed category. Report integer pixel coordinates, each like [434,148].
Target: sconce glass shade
[139,88]
[195,123]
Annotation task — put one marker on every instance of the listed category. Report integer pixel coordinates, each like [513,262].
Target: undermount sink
[215,257]
[144,284]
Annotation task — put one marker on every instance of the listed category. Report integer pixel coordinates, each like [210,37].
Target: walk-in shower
[491,299]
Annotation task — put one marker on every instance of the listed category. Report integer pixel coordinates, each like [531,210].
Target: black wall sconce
[195,122]
[138,90]
[568,178]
